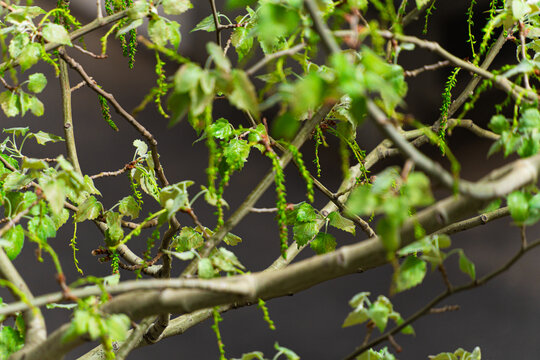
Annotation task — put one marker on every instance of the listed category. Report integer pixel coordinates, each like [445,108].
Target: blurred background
[501,317]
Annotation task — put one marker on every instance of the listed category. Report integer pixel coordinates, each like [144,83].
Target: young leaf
[411,273]
[206,24]
[8,102]
[55,192]
[129,207]
[187,239]
[236,153]
[323,243]
[114,226]
[43,227]
[37,82]
[304,232]
[342,223]
[205,269]
[243,95]
[467,266]
[216,53]
[176,7]
[56,34]
[13,241]
[30,55]
[42,137]
[89,209]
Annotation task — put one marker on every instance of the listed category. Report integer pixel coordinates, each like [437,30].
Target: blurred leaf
[56,34]
[176,7]
[411,273]
[518,206]
[466,265]
[13,241]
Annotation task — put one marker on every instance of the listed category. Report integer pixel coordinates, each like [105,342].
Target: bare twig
[89,53]
[416,72]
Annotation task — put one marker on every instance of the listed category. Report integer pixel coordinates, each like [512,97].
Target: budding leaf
[57,34]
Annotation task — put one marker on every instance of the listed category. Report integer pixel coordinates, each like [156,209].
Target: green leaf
[530,120]
[132,24]
[231,239]
[56,34]
[158,31]
[13,241]
[37,82]
[242,41]
[42,137]
[358,316]
[221,129]
[291,355]
[60,219]
[254,355]
[420,3]
[389,234]
[417,190]
[362,201]
[236,153]
[117,326]
[304,232]
[16,180]
[205,269]
[323,243]
[243,95]
[17,131]
[518,206]
[89,209]
[467,266]
[30,55]
[174,197]
[342,223]
[206,24]
[139,9]
[411,273]
[36,106]
[8,102]
[17,44]
[379,312]
[43,227]
[234,4]
[187,239]
[285,127]
[55,192]
[11,341]
[114,227]
[305,213]
[141,147]
[519,9]
[498,124]
[187,77]
[129,207]
[34,164]
[217,54]
[176,7]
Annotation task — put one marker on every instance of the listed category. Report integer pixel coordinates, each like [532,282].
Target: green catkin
[281,201]
[429,12]
[219,195]
[134,187]
[109,7]
[266,315]
[147,256]
[215,327]
[106,112]
[470,25]
[162,86]
[318,141]
[447,101]
[297,156]
[115,262]
[211,170]
[73,245]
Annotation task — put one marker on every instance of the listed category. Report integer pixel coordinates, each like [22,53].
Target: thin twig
[416,72]
[444,309]
[89,53]
[523,53]
[216,22]
[441,297]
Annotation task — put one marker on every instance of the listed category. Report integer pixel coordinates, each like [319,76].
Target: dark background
[500,317]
